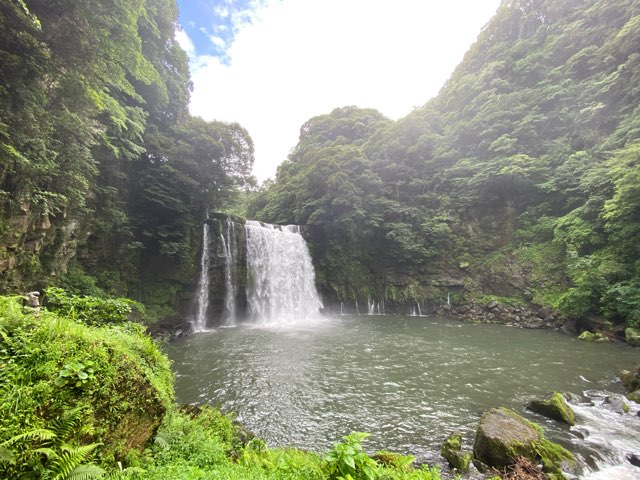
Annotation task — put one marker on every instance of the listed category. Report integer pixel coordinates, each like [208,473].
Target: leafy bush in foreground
[114,379]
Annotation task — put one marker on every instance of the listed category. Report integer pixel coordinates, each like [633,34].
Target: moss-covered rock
[452,451]
[634,396]
[630,379]
[115,377]
[503,436]
[632,336]
[554,407]
[596,337]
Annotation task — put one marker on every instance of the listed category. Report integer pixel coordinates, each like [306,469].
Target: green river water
[409,381]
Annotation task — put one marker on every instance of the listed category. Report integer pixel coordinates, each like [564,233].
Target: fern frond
[41,434]
[85,472]
[7,456]
[47,452]
[70,458]
[161,442]
[65,426]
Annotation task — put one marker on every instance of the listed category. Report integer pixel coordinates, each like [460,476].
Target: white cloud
[301,58]
[185,42]
[222,12]
[217,41]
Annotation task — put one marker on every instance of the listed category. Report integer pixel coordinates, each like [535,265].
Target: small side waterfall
[230,252]
[281,281]
[200,322]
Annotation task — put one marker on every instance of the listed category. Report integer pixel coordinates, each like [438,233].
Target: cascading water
[230,252]
[281,281]
[200,322]
[610,436]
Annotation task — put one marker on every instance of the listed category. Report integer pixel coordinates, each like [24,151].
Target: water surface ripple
[410,381]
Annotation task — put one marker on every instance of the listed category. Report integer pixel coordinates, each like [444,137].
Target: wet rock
[596,337]
[554,407]
[502,436]
[630,379]
[634,396]
[632,336]
[491,305]
[634,459]
[452,451]
[616,403]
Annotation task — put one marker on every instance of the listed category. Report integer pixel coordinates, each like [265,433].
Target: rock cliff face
[36,245]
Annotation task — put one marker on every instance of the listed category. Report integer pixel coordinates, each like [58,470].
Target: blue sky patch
[211,24]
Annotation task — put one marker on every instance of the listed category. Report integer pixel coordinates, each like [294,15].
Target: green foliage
[75,374]
[348,460]
[92,310]
[64,396]
[529,151]
[61,460]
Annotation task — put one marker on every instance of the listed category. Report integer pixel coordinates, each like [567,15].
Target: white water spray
[281,285]
[230,252]
[200,322]
[611,435]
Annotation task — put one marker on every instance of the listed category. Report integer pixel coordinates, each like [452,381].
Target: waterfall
[341,308]
[281,281]
[200,322]
[230,253]
[419,310]
[610,436]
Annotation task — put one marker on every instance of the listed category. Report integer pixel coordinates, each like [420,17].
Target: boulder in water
[452,451]
[503,437]
[616,403]
[632,336]
[596,337]
[634,396]
[554,407]
[630,379]
[634,459]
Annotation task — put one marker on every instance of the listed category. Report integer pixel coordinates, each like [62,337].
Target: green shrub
[115,377]
[348,459]
[93,310]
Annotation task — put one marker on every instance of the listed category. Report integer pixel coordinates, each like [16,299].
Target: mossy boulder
[630,379]
[634,396]
[554,407]
[596,337]
[452,451]
[503,436]
[632,336]
[114,376]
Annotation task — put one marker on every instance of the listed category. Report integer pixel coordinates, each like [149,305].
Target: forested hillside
[520,181]
[104,176]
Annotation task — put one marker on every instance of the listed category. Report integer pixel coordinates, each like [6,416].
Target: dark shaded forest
[105,178]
